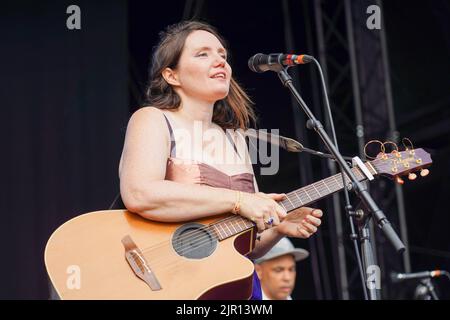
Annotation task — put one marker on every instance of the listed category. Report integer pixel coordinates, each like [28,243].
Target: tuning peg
[424,172]
[399,180]
[412,176]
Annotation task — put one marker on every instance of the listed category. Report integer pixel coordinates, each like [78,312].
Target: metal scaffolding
[355,62]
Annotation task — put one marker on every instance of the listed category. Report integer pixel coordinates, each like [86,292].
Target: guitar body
[85,259]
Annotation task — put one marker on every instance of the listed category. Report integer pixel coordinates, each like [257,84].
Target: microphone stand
[353,184]
[322,155]
[430,288]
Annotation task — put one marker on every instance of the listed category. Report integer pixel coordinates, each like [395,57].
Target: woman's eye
[203,54]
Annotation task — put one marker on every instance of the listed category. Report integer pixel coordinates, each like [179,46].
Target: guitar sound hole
[193,241]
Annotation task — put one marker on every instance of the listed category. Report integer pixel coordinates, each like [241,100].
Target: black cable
[346,195]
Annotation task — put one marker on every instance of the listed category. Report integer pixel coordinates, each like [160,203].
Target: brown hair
[234,111]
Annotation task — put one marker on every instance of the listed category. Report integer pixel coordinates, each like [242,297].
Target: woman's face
[203,71]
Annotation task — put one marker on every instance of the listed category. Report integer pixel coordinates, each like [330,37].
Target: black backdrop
[64,109]
[66,97]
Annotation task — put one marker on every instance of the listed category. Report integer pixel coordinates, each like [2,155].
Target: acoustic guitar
[117,254]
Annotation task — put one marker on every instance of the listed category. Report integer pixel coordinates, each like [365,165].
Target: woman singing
[164,178]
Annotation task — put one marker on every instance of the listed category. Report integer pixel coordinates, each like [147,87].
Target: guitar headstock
[400,163]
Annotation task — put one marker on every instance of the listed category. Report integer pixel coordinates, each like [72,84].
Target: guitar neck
[298,198]
[320,189]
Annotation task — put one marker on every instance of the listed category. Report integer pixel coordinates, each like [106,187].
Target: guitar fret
[229,229]
[225,233]
[299,199]
[308,195]
[214,228]
[305,196]
[334,185]
[323,181]
[338,181]
[238,226]
[225,229]
[290,202]
[248,224]
[230,225]
[316,190]
[218,232]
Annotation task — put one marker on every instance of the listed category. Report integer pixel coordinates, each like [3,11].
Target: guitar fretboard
[298,198]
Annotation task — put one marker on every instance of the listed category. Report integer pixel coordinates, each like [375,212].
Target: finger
[277,196]
[309,227]
[260,225]
[317,213]
[307,210]
[303,233]
[271,219]
[263,195]
[314,221]
[275,219]
[281,212]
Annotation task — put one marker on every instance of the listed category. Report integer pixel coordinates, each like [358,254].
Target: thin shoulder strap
[232,142]
[172,139]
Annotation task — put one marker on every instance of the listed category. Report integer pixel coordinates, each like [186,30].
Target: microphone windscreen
[254,62]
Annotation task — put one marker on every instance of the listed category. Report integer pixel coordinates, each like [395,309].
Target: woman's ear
[171,77]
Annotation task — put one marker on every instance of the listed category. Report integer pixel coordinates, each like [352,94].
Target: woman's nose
[220,61]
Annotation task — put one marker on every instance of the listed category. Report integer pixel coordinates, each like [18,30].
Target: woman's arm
[142,173]
[145,191]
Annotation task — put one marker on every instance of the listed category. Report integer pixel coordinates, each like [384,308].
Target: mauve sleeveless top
[191,171]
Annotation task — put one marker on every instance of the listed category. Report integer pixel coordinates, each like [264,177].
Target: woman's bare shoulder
[147,112]
[147,117]
[148,123]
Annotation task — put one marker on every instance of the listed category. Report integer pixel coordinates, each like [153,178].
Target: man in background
[277,270]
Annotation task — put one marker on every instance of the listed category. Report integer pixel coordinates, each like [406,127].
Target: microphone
[398,277]
[276,61]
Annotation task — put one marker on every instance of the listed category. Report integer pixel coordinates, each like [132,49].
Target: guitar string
[177,262]
[205,239]
[295,203]
[185,250]
[177,265]
[202,234]
[174,260]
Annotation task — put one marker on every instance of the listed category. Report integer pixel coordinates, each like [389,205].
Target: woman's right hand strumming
[262,208]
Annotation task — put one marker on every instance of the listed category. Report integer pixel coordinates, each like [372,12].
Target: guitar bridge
[138,264]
